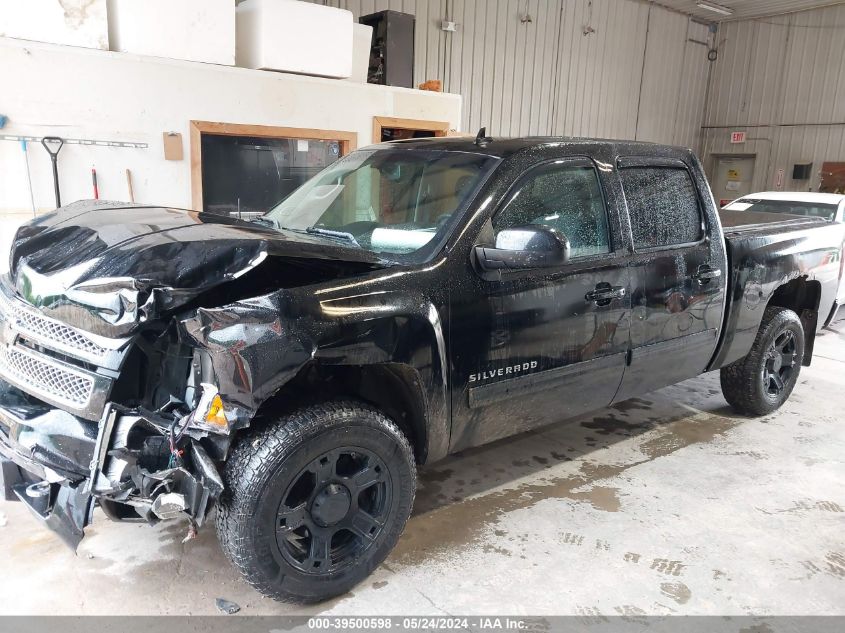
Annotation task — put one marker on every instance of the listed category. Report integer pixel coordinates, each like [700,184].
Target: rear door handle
[605,293]
[706,274]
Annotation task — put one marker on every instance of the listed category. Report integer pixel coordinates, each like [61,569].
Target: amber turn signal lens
[216,415]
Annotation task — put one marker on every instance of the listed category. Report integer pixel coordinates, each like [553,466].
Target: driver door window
[565,197]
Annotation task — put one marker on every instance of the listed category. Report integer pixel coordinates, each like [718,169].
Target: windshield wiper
[265,221]
[342,235]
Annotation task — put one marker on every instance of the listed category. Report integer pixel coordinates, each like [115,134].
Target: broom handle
[129,184]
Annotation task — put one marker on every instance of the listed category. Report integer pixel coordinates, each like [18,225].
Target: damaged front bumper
[61,465]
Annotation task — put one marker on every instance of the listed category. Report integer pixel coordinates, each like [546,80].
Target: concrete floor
[667,504]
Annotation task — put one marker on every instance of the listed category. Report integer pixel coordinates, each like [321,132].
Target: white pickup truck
[830,206]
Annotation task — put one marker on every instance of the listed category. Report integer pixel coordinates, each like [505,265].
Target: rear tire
[314,502]
[762,381]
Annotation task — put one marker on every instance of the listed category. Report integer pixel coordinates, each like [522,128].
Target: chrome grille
[40,356]
[41,327]
[44,376]
[53,334]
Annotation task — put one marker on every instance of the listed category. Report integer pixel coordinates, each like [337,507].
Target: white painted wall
[80,93]
[71,22]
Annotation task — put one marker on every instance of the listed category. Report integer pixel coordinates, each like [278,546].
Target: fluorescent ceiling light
[715,8]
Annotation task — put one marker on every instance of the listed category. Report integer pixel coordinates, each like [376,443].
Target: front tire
[762,381]
[316,501]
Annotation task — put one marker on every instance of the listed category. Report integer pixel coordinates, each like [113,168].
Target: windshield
[790,207]
[396,202]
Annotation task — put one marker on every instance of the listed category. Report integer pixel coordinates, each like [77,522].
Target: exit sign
[737,137]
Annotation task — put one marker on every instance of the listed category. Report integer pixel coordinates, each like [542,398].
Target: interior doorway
[733,176]
[244,170]
[392,129]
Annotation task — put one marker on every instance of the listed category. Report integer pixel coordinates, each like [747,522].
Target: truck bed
[765,252]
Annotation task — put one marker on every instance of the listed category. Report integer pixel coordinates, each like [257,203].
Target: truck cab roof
[504,147]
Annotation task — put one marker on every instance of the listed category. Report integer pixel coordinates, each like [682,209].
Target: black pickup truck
[414,299]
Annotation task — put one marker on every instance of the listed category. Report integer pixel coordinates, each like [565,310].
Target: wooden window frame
[348,142]
[440,128]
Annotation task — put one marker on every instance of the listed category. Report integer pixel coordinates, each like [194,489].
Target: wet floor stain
[493,549]
[835,564]
[805,505]
[634,404]
[761,627]
[695,429]
[632,613]
[448,527]
[752,454]
[668,567]
[612,425]
[589,616]
[438,475]
[678,591]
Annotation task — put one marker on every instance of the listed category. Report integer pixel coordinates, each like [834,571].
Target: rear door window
[663,205]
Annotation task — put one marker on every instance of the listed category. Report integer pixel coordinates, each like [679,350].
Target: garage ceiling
[743,9]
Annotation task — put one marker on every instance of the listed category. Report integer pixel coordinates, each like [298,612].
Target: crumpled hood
[107,267]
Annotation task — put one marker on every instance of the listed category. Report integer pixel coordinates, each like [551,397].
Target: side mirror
[521,247]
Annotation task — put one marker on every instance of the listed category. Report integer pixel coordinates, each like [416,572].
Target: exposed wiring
[173,439]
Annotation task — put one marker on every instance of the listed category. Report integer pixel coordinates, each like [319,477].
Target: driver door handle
[706,274]
[605,293]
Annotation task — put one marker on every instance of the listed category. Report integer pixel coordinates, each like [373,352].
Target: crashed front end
[135,342]
[134,424]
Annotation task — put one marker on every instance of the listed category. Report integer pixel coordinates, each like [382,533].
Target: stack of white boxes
[195,30]
[281,35]
[294,37]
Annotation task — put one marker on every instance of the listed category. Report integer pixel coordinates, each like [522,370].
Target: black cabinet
[392,48]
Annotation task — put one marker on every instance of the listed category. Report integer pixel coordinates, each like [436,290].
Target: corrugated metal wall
[607,68]
[680,64]
[781,79]
[631,69]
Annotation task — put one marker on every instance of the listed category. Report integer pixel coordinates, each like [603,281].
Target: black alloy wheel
[780,363]
[761,382]
[333,510]
[315,500]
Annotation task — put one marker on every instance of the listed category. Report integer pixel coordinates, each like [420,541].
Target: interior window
[565,197]
[248,175]
[663,204]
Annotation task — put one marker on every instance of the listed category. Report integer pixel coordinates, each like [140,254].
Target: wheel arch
[395,389]
[802,296]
